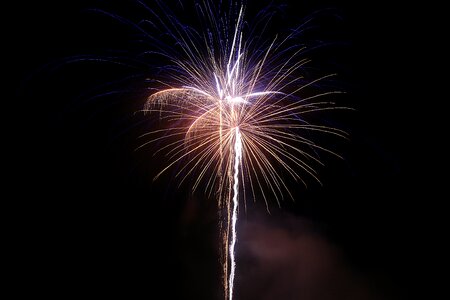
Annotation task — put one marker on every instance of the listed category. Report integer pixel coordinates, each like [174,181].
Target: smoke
[283,258]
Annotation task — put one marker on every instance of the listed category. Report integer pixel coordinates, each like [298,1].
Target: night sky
[88,220]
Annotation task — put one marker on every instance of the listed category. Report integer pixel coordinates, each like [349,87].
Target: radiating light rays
[271,132]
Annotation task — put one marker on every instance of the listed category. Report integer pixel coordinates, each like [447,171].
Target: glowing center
[235,99]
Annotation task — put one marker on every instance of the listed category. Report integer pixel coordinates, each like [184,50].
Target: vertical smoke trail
[237,158]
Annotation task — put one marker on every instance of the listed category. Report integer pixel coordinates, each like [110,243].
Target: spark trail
[237,158]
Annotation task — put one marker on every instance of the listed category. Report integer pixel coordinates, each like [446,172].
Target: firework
[238,115]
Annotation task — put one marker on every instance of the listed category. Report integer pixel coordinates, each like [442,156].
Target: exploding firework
[238,114]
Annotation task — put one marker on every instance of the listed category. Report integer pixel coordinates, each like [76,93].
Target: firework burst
[238,114]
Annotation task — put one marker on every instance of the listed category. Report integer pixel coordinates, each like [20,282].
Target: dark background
[89,220]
